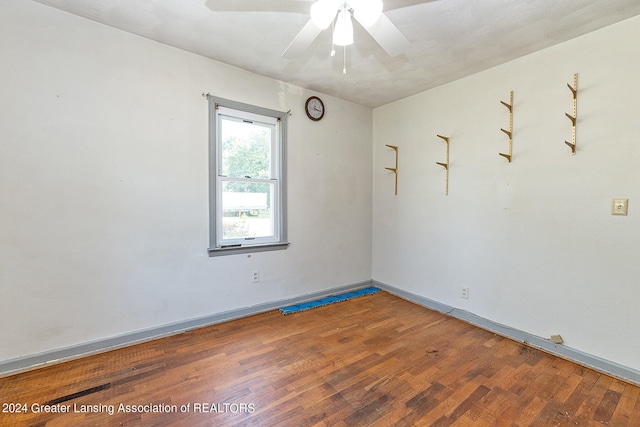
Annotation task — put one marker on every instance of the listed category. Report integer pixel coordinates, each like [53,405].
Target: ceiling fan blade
[398,4]
[297,6]
[388,36]
[301,42]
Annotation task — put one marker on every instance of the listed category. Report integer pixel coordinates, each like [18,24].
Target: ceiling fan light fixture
[367,12]
[343,33]
[323,12]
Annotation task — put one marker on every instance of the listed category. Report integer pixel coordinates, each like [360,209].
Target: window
[247,178]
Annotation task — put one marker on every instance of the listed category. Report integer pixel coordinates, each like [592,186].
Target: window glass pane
[246,149]
[247,157]
[247,210]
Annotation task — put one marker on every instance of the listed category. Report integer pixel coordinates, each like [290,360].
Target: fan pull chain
[333,46]
[344,60]
[344,50]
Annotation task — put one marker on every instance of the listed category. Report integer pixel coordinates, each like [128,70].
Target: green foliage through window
[246,153]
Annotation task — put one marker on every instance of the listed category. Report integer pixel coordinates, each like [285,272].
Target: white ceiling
[449,39]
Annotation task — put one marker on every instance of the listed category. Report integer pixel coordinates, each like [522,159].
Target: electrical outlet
[255,278]
[465,293]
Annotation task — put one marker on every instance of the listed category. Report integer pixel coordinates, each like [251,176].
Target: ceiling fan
[339,12]
[324,13]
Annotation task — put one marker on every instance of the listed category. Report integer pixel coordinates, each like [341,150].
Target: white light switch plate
[619,206]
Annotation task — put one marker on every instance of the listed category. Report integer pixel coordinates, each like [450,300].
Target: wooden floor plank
[376,360]
[624,410]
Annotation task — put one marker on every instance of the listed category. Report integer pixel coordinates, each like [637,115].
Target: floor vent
[79,394]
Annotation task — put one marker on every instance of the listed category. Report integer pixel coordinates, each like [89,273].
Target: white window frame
[222,108]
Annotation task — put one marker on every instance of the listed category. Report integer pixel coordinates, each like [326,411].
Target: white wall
[103,182]
[533,240]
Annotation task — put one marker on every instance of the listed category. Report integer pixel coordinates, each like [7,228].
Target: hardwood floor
[376,360]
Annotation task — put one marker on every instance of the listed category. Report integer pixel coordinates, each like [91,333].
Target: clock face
[315,108]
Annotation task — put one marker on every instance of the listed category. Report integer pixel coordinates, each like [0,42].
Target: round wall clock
[314,108]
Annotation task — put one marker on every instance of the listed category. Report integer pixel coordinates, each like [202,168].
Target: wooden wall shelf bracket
[394,170]
[574,117]
[509,132]
[445,165]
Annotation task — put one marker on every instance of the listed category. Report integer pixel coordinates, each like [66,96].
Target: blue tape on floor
[328,300]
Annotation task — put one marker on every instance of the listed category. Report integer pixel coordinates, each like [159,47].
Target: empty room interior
[464,175]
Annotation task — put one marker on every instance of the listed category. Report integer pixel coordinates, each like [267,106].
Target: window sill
[248,249]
